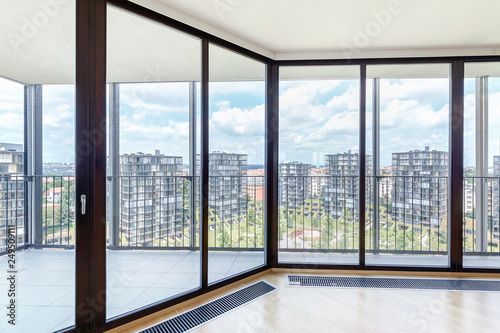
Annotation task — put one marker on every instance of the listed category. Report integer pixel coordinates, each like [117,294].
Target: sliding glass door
[153,248]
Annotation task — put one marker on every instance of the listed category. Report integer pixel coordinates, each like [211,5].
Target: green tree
[224,240]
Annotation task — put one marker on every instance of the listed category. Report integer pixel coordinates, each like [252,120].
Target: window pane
[319,164]
[153,235]
[408,121]
[481,165]
[236,164]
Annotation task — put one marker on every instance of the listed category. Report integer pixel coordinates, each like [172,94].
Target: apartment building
[318,181]
[11,191]
[420,187]
[151,192]
[255,184]
[227,187]
[469,198]
[294,184]
[496,197]
[342,189]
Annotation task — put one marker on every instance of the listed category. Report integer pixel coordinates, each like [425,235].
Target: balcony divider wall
[90,174]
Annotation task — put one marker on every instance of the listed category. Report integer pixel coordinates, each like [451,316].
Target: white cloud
[11,112]
[414,113]
[238,122]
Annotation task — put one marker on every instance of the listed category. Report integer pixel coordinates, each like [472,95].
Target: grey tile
[159,266]
[214,277]
[47,278]
[118,278]
[224,256]
[118,297]
[131,266]
[45,319]
[316,257]
[221,267]
[113,262]
[174,280]
[152,295]
[143,279]
[45,296]
[290,257]
[172,255]
[192,256]
[67,281]
[25,291]
[67,300]
[250,256]
[148,255]
[186,267]
[193,282]
[239,267]
[113,311]
[119,254]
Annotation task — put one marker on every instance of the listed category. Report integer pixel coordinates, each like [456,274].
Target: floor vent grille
[207,312]
[392,283]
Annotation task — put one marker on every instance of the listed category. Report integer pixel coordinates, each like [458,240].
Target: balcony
[157,258]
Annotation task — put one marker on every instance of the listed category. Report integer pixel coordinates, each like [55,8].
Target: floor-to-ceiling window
[319,164]
[481,189]
[236,193]
[407,177]
[153,198]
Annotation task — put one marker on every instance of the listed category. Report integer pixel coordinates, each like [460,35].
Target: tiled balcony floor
[46,279]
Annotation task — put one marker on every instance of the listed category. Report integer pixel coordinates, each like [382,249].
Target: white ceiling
[298,29]
[37,45]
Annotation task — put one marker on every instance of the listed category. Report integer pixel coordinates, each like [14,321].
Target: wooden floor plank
[292,309]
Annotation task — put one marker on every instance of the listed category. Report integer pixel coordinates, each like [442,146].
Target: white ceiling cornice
[197,23]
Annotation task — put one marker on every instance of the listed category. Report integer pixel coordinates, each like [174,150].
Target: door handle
[83,201]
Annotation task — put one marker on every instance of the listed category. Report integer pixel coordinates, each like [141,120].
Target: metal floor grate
[207,312]
[393,283]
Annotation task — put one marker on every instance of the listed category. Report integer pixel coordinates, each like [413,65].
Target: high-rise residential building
[294,184]
[255,184]
[11,192]
[496,197]
[318,181]
[227,187]
[342,190]
[469,198]
[420,188]
[151,193]
[385,188]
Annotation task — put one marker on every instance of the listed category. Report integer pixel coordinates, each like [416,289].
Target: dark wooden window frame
[90,310]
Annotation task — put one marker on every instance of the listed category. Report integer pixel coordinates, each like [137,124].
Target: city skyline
[314,116]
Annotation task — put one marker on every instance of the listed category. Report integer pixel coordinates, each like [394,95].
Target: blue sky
[316,118]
